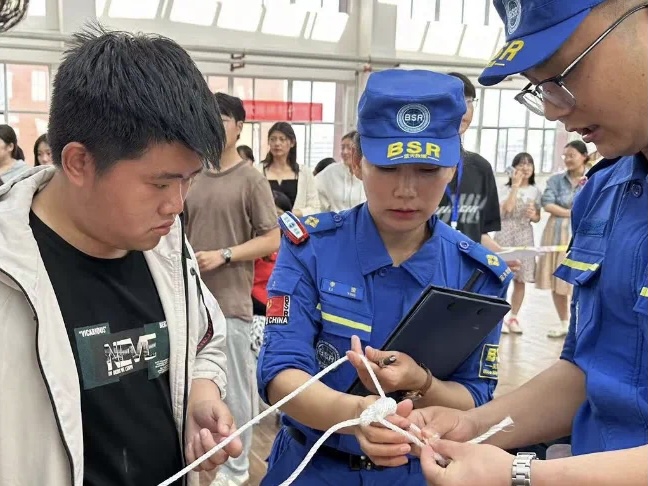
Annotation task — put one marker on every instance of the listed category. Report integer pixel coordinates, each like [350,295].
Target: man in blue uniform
[357,273]
[588,65]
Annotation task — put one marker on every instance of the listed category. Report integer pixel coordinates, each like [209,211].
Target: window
[39,85]
[443,38]
[28,87]
[285,20]
[507,128]
[128,9]
[230,16]
[324,93]
[197,12]
[328,26]
[37,8]
[451,11]
[300,136]
[218,84]
[322,143]
[301,91]
[271,89]
[409,32]
[243,88]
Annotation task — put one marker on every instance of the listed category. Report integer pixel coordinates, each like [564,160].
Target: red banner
[259,110]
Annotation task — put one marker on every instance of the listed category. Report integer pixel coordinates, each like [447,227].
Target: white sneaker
[224,478]
[514,325]
[557,332]
[505,328]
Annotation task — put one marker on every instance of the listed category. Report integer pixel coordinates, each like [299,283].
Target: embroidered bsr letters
[489,361]
[278,310]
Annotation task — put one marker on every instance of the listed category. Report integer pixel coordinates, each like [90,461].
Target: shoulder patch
[293,228]
[297,230]
[488,259]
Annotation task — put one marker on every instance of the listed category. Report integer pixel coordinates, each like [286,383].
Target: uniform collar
[373,255]
[627,169]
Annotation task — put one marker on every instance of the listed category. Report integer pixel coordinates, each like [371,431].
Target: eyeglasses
[472,101]
[553,89]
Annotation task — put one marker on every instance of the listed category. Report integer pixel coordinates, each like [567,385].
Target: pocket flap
[580,266]
[341,322]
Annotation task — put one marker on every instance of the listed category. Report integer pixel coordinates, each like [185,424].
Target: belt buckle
[361,463]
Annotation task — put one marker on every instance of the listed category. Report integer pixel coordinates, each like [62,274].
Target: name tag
[343,290]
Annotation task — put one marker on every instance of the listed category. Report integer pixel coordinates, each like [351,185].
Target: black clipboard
[442,329]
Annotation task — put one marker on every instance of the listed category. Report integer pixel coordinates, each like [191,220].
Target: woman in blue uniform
[360,271]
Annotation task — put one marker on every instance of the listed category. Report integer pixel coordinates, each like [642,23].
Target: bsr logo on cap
[513,15]
[413,118]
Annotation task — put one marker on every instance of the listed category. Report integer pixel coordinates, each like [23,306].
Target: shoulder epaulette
[488,259]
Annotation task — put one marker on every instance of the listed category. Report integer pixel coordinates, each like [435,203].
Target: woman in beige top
[284,174]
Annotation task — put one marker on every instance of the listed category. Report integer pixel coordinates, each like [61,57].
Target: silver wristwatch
[227,255]
[521,470]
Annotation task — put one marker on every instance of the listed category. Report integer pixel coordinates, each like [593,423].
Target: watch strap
[521,469]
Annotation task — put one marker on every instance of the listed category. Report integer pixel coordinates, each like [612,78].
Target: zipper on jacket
[47,386]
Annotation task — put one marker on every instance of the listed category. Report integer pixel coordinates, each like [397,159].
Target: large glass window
[218,84]
[506,128]
[26,104]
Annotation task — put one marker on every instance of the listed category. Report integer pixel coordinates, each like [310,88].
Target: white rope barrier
[376,413]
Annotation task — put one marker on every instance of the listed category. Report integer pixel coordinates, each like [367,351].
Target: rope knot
[379,410]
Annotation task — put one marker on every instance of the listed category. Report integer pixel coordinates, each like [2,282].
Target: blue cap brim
[444,152]
[537,48]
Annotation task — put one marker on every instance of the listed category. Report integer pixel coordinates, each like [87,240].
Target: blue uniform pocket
[582,268]
[342,322]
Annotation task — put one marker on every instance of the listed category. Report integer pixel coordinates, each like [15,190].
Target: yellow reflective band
[588,267]
[644,292]
[346,322]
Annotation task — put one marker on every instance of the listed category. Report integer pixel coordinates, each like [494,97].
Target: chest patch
[326,353]
[489,362]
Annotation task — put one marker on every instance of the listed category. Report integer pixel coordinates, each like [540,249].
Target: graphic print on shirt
[104,357]
[470,207]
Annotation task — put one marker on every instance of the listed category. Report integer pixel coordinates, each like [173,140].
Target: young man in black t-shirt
[474,208]
[115,345]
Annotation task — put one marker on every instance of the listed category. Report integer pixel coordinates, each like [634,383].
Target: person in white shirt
[337,187]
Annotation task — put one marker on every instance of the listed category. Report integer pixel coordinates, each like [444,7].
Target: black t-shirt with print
[118,333]
[479,211]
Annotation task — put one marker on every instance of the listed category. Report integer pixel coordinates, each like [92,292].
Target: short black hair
[118,93]
[246,152]
[230,106]
[469,88]
[323,164]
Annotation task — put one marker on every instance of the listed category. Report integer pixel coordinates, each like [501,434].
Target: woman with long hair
[42,151]
[12,158]
[283,172]
[557,200]
[519,207]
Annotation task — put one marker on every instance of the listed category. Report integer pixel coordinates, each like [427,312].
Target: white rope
[376,413]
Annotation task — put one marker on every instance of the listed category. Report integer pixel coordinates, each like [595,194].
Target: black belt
[355,463]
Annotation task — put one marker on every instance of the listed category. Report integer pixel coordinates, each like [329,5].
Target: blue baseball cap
[409,117]
[535,30]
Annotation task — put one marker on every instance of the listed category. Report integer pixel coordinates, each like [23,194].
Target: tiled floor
[521,358]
